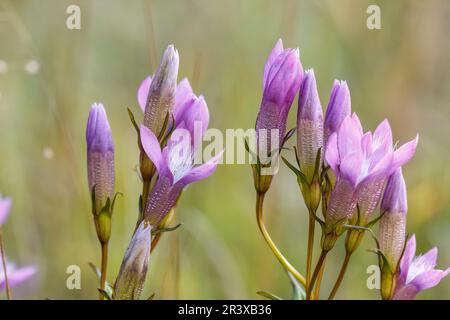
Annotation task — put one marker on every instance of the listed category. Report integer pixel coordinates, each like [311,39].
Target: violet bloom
[309,125]
[131,278]
[339,107]
[175,162]
[5,207]
[359,159]
[15,275]
[394,207]
[100,156]
[282,78]
[161,91]
[417,273]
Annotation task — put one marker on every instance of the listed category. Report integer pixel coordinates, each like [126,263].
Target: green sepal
[160,230]
[268,295]
[287,136]
[104,294]
[152,296]
[133,120]
[317,163]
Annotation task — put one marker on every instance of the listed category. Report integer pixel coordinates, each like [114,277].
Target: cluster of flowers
[349,172]
[10,275]
[167,149]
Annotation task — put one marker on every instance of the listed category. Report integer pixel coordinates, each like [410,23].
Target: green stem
[103,269]
[2,252]
[340,276]
[310,251]
[271,244]
[317,270]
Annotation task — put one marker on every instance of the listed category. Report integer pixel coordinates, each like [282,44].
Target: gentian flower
[417,273]
[309,125]
[15,275]
[131,278]
[5,207]
[360,160]
[282,78]
[100,164]
[175,162]
[339,107]
[161,91]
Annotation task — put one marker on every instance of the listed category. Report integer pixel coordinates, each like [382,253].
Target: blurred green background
[400,72]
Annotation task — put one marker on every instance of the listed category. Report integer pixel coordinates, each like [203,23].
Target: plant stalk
[104,265]
[317,270]
[340,276]
[310,251]
[271,244]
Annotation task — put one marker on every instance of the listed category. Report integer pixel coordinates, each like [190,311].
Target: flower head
[393,222]
[175,162]
[360,160]
[417,273]
[15,275]
[100,155]
[339,107]
[161,91]
[309,124]
[131,278]
[281,81]
[5,207]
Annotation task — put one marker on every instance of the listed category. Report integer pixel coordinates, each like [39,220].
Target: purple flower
[175,162]
[5,207]
[309,124]
[360,160]
[393,222]
[282,78]
[15,275]
[417,273]
[339,107]
[161,91]
[100,156]
[131,278]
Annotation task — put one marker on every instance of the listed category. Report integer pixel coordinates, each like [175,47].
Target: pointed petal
[184,97]
[20,275]
[349,138]
[382,137]
[276,51]
[151,147]
[142,93]
[408,255]
[405,153]
[332,153]
[350,167]
[201,172]
[427,279]
[5,207]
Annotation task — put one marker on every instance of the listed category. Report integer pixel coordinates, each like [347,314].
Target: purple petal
[17,276]
[382,137]
[427,279]
[350,167]
[332,153]
[196,119]
[201,172]
[408,256]
[184,97]
[98,130]
[407,292]
[405,153]
[339,107]
[5,207]
[143,91]
[152,147]
[395,197]
[276,51]
[349,138]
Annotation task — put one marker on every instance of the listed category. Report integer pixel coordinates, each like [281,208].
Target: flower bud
[338,108]
[282,79]
[161,94]
[131,278]
[309,125]
[5,207]
[393,222]
[100,157]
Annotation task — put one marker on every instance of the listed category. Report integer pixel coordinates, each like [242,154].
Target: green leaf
[268,295]
[298,292]
[108,288]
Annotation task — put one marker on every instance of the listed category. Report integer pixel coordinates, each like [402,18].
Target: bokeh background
[53,75]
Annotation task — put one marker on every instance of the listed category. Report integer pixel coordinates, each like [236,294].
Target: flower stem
[2,251]
[341,275]
[317,270]
[310,251]
[103,267]
[318,283]
[271,244]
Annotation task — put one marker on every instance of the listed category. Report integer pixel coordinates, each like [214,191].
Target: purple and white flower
[417,273]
